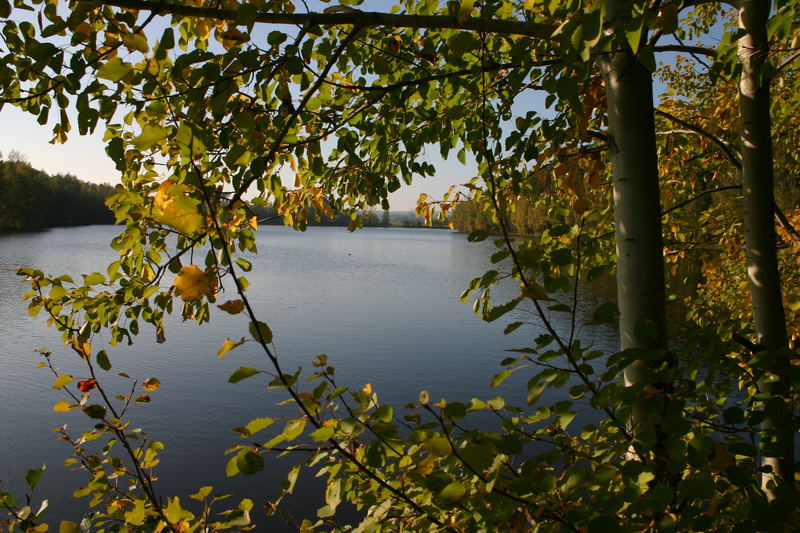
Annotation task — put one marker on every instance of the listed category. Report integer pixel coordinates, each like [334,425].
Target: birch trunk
[637,212]
[760,240]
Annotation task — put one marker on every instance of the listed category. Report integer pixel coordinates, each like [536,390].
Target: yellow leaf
[227,346]
[425,467]
[62,406]
[233,307]
[367,389]
[203,29]
[62,381]
[192,283]
[172,207]
[253,221]
[151,384]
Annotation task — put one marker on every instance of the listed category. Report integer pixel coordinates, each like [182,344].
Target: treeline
[32,199]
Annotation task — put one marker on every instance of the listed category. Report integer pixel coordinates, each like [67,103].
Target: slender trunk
[760,243]
[637,212]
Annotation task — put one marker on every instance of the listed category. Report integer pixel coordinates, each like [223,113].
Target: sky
[85,157]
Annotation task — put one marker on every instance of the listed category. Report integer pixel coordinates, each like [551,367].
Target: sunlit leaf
[172,207]
[62,381]
[192,284]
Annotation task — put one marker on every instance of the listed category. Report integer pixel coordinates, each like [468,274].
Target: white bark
[760,238]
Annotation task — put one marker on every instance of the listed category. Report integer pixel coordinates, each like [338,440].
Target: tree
[227,117]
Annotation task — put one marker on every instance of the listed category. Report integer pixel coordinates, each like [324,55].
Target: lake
[382,303]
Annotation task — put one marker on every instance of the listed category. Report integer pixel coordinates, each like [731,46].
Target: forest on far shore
[32,199]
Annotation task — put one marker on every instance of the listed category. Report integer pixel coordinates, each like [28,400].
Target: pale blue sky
[85,157]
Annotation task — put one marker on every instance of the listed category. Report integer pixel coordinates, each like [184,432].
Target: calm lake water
[383,303]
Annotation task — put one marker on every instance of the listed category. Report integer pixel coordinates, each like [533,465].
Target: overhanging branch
[697,50]
[353,17]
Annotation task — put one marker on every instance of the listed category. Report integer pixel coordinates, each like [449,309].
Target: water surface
[382,303]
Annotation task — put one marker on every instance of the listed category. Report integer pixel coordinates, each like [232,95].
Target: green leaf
[152,135]
[500,377]
[243,372]
[246,14]
[452,493]
[114,70]
[261,332]
[137,514]
[439,446]
[95,278]
[322,434]
[102,360]
[461,43]
[384,413]
[95,411]
[33,476]
[294,428]
[249,462]
[256,425]
[561,257]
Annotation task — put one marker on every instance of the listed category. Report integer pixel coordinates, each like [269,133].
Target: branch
[699,195]
[786,62]
[694,50]
[730,153]
[434,77]
[353,17]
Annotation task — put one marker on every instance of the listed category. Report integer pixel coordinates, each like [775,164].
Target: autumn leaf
[580,205]
[62,406]
[227,346]
[173,208]
[232,38]
[233,307]
[192,283]
[151,384]
[87,384]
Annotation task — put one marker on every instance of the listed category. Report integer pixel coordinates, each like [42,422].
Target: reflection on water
[381,303]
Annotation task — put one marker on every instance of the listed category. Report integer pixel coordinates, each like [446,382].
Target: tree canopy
[209,107]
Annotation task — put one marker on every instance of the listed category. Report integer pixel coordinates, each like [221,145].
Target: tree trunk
[637,212]
[760,243]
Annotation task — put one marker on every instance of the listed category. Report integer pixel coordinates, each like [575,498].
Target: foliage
[347,103]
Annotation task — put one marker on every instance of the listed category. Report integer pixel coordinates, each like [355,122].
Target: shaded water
[382,303]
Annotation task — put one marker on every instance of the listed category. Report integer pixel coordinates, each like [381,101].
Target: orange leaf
[233,307]
[151,384]
[87,385]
